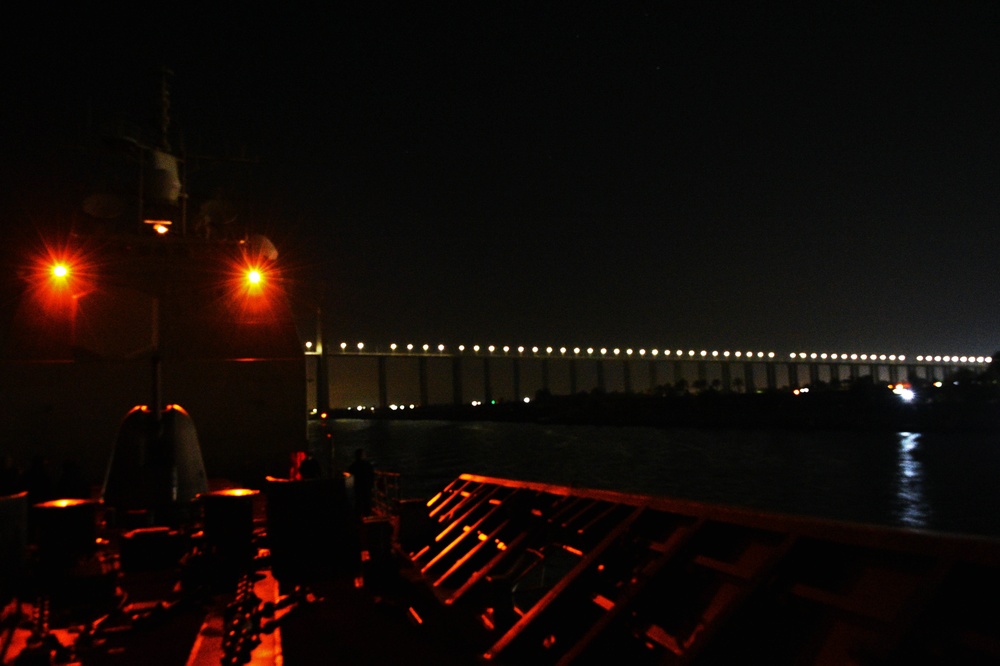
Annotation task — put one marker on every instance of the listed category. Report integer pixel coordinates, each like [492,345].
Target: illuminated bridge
[241,312]
[356,375]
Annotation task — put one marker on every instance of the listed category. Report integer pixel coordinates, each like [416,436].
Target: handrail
[385,494]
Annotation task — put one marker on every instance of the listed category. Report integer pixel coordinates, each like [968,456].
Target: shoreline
[827,410]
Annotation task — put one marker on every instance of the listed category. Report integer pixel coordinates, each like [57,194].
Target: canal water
[938,481]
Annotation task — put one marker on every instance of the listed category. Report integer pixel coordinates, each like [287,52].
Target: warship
[168,357]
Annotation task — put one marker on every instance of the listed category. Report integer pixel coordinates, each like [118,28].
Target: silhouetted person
[72,484]
[10,476]
[37,481]
[309,469]
[363,473]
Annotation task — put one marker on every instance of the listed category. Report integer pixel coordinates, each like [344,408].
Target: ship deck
[362,605]
[508,572]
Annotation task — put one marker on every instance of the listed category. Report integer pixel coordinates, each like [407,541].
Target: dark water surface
[940,481]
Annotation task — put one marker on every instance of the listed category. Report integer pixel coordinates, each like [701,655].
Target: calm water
[945,482]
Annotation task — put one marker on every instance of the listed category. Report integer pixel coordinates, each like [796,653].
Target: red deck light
[56,276]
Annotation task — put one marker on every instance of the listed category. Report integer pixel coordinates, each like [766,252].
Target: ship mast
[165,152]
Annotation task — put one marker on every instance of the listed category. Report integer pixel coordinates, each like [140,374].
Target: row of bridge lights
[693,354]
[603,351]
[892,357]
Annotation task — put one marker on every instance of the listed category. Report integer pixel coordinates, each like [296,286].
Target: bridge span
[400,376]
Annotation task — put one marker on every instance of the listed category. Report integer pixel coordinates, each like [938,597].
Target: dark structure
[562,575]
[130,300]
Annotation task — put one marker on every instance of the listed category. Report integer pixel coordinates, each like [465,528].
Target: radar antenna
[165,74]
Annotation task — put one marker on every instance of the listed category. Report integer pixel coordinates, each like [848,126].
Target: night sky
[672,175]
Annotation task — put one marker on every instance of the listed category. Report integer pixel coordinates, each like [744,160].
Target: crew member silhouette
[309,468]
[363,473]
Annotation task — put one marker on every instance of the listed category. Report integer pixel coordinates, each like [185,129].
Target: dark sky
[703,175]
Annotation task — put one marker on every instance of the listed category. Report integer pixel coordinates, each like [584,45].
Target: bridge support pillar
[627,376]
[456,380]
[383,391]
[772,376]
[600,374]
[516,378]
[424,389]
[725,370]
[653,383]
[748,377]
[322,382]
[572,376]
[487,381]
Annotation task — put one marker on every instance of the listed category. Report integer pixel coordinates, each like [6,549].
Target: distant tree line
[962,400]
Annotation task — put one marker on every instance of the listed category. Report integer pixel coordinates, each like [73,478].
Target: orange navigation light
[56,276]
[59,270]
[161,227]
[250,278]
[63,276]
[254,288]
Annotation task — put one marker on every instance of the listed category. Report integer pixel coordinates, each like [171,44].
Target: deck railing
[385,494]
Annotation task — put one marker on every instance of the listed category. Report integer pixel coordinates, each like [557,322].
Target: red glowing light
[56,277]
[254,288]
[56,272]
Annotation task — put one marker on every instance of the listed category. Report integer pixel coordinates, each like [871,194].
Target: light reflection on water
[912,505]
[933,481]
